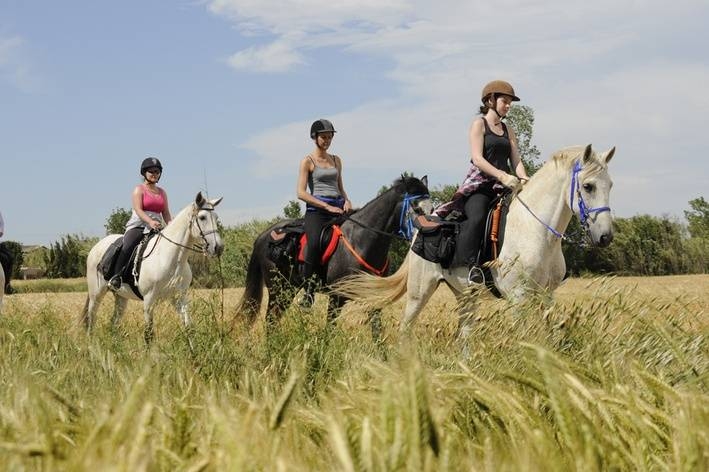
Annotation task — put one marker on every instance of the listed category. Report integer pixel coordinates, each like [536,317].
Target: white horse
[574,181]
[164,271]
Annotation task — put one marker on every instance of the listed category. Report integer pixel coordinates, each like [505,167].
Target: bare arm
[166,215]
[348,203]
[516,161]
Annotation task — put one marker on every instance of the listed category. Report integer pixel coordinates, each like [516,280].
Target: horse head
[590,192]
[204,226]
[415,192]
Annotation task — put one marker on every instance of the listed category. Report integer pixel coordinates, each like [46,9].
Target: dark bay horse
[364,245]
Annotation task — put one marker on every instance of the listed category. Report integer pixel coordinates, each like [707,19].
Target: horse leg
[468,303]
[93,300]
[334,308]
[375,323]
[148,332]
[420,287]
[182,307]
[119,308]
[279,298]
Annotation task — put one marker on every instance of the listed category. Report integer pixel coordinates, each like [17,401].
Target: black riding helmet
[321,126]
[149,162]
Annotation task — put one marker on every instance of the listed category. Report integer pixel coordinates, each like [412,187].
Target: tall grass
[608,380]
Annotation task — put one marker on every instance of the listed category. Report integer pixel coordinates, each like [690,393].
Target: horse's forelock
[413,185]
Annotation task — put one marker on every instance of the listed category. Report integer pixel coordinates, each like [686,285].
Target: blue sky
[224,91]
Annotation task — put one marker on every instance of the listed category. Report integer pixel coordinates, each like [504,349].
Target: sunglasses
[154,170]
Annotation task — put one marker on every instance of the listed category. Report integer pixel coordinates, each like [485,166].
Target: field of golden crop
[688,291]
[613,376]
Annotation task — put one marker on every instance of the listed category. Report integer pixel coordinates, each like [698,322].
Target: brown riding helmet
[499,87]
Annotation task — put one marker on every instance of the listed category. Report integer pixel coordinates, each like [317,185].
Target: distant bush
[50,285]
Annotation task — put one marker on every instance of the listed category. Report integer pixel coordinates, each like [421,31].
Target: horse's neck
[379,213]
[546,198]
[178,231]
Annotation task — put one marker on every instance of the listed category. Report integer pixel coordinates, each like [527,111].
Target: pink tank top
[153,202]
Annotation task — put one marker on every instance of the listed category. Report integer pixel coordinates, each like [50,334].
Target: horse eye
[202,217]
[589,187]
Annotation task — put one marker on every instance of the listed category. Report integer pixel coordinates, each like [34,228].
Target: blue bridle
[584,212]
[406,223]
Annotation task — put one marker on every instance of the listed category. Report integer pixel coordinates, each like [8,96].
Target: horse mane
[566,157]
[184,214]
[399,184]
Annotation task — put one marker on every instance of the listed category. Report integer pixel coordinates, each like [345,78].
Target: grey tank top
[322,181]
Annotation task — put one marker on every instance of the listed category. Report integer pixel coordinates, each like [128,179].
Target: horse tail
[373,291]
[250,303]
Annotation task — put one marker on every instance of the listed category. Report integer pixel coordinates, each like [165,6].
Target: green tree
[292,210]
[698,218]
[442,194]
[67,258]
[521,119]
[116,221]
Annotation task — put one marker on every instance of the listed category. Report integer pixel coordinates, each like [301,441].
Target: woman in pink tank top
[150,211]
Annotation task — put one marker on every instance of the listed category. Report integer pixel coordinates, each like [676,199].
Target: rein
[194,247]
[405,232]
[406,227]
[584,211]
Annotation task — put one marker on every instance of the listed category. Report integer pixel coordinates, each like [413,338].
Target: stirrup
[476,275]
[115,282]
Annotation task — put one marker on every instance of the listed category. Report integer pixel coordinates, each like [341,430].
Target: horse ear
[216,201]
[587,154]
[199,199]
[424,180]
[608,155]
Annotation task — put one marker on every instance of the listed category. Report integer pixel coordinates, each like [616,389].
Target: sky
[224,91]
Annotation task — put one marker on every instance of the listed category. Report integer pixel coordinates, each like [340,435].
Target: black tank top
[497,149]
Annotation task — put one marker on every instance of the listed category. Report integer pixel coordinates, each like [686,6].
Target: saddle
[287,243]
[131,272]
[436,239]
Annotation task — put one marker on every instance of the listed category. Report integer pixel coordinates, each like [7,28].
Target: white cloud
[593,72]
[8,50]
[13,65]
[275,57]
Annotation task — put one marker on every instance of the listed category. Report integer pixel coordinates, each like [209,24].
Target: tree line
[642,245]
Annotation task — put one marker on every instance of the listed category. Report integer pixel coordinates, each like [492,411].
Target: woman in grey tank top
[320,187]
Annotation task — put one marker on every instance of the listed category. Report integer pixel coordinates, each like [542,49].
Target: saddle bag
[283,242]
[437,244]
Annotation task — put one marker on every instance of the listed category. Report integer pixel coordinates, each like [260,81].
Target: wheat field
[611,376]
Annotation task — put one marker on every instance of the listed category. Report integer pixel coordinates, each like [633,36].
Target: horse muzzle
[605,240]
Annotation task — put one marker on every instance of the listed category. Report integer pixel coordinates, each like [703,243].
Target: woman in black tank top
[323,173]
[494,156]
